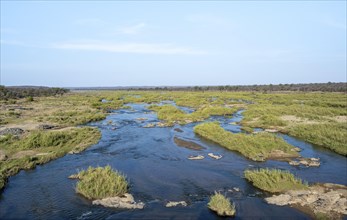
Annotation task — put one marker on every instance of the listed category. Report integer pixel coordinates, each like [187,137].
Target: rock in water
[217,157]
[199,157]
[326,198]
[124,202]
[173,204]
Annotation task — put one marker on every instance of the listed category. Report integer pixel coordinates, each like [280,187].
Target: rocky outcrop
[329,199]
[125,202]
[309,162]
[173,204]
[12,131]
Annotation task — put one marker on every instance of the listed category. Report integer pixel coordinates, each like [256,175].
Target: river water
[158,172]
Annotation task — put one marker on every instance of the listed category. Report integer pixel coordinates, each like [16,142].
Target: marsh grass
[274,180]
[171,115]
[44,147]
[68,138]
[329,135]
[75,117]
[221,205]
[101,182]
[257,147]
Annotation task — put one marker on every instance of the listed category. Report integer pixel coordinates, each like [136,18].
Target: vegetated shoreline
[92,109]
[73,109]
[78,139]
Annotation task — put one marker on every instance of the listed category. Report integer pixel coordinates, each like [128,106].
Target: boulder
[199,157]
[217,157]
[173,204]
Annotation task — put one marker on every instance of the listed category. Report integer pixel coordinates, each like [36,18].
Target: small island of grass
[106,187]
[101,182]
[274,180]
[257,147]
[221,205]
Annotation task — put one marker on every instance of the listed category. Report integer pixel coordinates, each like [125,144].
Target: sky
[175,43]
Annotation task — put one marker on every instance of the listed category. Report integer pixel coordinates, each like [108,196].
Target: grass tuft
[221,205]
[101,182]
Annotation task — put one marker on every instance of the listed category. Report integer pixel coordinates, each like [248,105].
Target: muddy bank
[188,144]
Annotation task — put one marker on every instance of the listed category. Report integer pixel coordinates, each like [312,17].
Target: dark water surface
[158,171]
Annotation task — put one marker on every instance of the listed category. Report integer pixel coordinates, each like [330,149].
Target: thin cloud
[137,48]
[134,29]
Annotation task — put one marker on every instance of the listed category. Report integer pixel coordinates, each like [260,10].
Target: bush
[274,180]
[101,182]
[30,99]
[221,205]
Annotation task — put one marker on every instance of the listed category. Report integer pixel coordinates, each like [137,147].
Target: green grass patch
[43,146]
[257,147]
[101,182]
[69,138]
[171,115]
[221,205]
[76,117]
[329,135]
[274,180]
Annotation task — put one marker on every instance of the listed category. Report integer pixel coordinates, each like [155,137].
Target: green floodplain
[316,117]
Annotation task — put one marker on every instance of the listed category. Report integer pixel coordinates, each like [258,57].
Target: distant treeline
[311,87]
[15,92]
[304,87]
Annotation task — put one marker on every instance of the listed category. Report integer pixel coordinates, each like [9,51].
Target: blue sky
[158,43]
